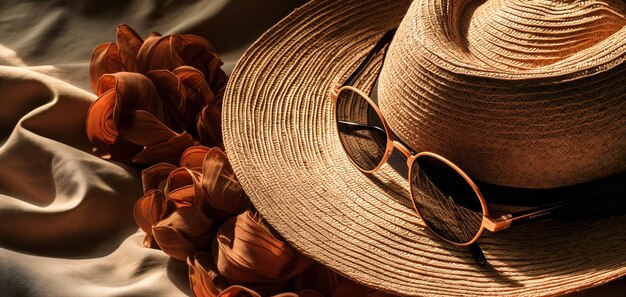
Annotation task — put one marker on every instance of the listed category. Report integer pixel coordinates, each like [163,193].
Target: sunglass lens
[445,200]
[361,131]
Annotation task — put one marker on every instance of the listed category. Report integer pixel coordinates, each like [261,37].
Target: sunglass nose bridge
[402,148]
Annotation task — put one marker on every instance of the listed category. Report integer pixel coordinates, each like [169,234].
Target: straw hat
[517,93]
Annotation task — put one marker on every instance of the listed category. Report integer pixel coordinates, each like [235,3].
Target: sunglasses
[444,197]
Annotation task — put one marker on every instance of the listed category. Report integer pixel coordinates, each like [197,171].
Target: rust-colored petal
[134,91]
[160,144]
[142,128]
[183,196]
[149,210]
[105,58]
[185,92]
[183,233]
[195,95]
[146,50]
[193,157]
[178,178]
[170,89]
[180,187]
[209,125]
[155,176]
[159,52]
[169,151]
[195,51]
[241,291]
[126,117]
[102,130]
[198,53]
[203,279]
[247,253]
[172,51]
[215,76]
[129,43]
[222,195]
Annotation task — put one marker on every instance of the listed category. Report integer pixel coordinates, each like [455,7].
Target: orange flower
[149,210]
[203,279]
[220,193]
[183,233]
[132,54]
[248,253]
[203,191]
[155,97]
[129,122]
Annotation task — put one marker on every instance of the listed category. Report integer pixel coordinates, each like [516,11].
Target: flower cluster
[181,205]
[159,105]
[156,97]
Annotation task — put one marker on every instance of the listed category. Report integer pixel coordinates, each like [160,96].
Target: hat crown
[517,93]
[513,35]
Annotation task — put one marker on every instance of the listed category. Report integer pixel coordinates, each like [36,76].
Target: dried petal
[129,43]
[104,59]
[171,91]
[183,197]
[155,176]
[249,254]
[102,131]
[195,94]
[215,76]
[142,128]
[196,51]
[209,126]
[178,178]
[183,233]
[160,52]
[222,195]
[239,291]
[203,279]
[128,125]
[146,50]
[133,92]
[168,151]
[149,210]
[128,121]
[193,157]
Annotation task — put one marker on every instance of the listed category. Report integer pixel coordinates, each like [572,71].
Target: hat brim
[280,135]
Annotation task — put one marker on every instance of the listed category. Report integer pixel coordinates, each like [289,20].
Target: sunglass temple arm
[505,221]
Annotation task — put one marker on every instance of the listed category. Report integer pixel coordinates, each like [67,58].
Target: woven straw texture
[518,93]
[280,134]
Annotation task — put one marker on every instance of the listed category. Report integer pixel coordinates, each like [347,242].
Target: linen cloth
[66,225]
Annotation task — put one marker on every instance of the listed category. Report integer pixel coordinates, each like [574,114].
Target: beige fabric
[280,133]
[66,225]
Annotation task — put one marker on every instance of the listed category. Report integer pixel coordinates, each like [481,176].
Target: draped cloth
[66,215]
